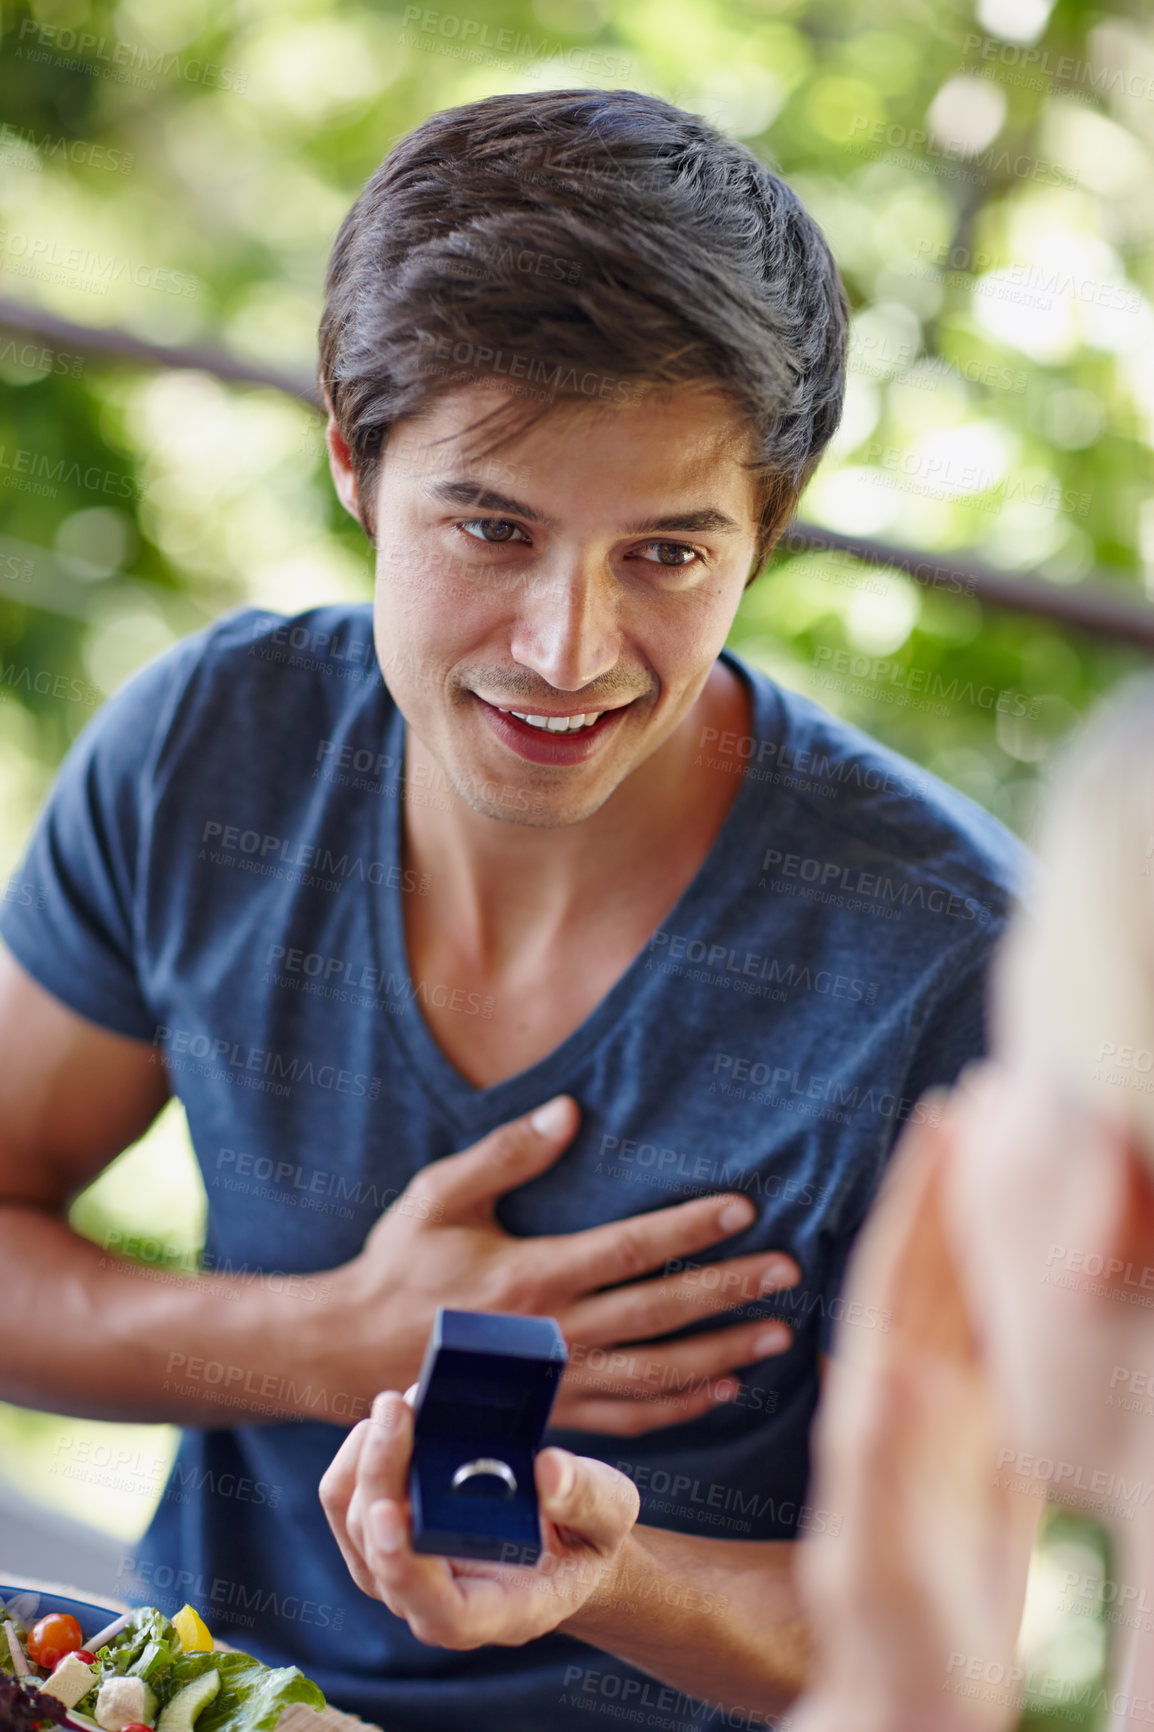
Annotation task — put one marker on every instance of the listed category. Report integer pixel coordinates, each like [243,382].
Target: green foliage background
[179,167]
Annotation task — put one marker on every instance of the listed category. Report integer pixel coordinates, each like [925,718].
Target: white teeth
[558,724]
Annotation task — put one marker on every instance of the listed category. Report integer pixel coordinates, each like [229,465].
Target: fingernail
[725,1390]
[772,1340]
[386,1527]
[551,1119]
[779,1273]
[737,1213]
[386,1412]
[566,1480]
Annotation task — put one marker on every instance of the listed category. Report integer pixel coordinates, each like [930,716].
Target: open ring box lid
[486,1387]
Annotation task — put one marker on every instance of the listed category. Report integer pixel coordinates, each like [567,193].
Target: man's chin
[529,800]
[530,807]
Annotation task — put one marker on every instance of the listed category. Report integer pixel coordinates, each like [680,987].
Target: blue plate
[29,1604]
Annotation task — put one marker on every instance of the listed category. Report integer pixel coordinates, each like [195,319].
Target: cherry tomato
[53,1637]
[83,1654]
[137,1726]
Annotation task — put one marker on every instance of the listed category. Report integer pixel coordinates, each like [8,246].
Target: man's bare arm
[88,1332]
[715,1619]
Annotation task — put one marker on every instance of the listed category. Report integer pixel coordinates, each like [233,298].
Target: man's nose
[567,628]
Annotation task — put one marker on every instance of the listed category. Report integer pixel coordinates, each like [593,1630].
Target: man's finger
[588,1499]
[641,1372]
[337,1490]
[418,1589]
[472,1181]
[381,1480]
[340,1477]
[383,1468]
[605,1417]
[621,1250]
[671,1302]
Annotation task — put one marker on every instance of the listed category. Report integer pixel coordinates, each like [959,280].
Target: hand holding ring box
[482,1404]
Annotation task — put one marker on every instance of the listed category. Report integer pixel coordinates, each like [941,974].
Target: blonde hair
[1091,935]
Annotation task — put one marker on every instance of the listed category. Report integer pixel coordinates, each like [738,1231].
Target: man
[666,953]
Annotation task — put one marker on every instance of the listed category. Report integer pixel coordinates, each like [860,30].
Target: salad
[142,1673]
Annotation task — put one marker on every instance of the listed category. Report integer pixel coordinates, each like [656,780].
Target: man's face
[589,568]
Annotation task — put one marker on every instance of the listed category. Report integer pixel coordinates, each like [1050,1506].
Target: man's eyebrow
[471,493]
[707,518]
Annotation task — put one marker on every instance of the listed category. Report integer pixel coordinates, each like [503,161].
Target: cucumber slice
[182,1711]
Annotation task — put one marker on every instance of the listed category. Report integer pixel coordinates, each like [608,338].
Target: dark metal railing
[1101,606]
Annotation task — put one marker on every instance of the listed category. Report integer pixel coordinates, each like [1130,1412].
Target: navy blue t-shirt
[218,870]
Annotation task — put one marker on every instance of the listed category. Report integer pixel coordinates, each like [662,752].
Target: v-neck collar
[471,1107]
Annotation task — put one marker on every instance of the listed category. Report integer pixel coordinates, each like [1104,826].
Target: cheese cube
[71,1680]
[122,1701]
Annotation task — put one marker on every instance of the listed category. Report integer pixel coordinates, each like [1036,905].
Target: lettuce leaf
[252,1696]
[152,1660]
[140,1644]
[143,1648]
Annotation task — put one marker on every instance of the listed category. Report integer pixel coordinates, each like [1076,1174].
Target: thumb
[590,1499]
[509,1156]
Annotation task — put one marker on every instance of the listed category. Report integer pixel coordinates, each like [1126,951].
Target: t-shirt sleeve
[69,913]
[953,1035]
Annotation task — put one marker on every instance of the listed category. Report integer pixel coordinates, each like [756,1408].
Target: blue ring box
[487,1384]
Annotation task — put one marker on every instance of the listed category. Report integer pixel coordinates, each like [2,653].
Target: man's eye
[493,529]
[670,553]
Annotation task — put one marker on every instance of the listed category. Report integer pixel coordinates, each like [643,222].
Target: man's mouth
[556,724]
[545,738]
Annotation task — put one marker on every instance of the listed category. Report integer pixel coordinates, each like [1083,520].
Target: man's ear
[341,464]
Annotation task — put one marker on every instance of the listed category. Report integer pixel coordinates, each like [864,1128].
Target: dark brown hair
[580,245]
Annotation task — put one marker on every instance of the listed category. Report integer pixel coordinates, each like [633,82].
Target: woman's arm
[917,1602]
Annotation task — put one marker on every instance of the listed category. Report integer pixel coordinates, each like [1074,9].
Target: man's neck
[505,887]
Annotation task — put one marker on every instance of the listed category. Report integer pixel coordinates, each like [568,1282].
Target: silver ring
[487,1466]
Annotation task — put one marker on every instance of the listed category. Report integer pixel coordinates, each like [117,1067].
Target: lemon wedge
[192,1630]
